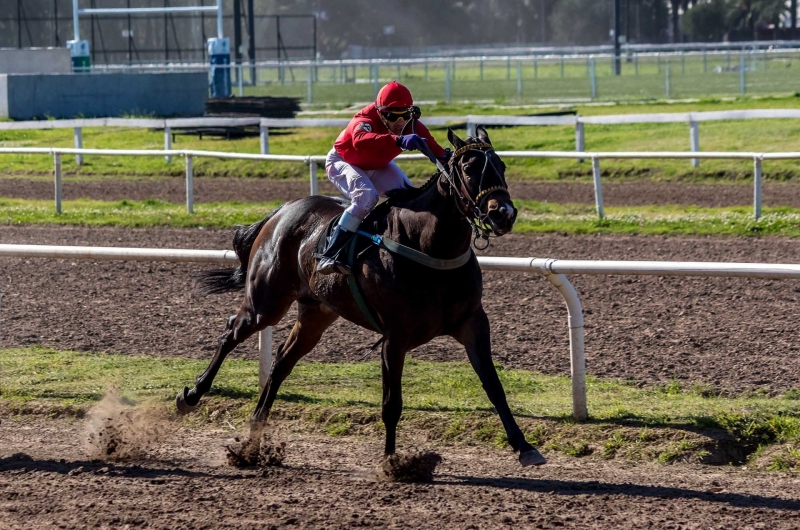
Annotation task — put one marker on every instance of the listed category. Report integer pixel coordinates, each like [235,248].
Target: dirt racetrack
[730,334]
[47,482]
[625,193]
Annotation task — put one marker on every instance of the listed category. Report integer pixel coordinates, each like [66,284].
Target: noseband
[478,220]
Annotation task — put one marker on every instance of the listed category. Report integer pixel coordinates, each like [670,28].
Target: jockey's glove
[411,142]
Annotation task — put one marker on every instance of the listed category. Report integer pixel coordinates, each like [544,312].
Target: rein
[477,219]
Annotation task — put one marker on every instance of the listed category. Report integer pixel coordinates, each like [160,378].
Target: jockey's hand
[412,142]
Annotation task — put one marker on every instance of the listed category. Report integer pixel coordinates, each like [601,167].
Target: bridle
[470,207]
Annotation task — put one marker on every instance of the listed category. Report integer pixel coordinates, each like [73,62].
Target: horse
[412,303]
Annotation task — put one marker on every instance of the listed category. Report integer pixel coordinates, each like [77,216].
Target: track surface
[628,193]
[329,483]
[731,334]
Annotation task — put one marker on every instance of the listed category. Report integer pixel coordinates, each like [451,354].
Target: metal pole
[742,81]
[241,79]
[667,87]
[480,64]
[264,139]
[562,66]
[219,19]
[377,79]
[580,138]
[251,50]
[535,68]
[617,61]
[264,356]
[309,97]
[57,175]
[189,184]
[592,78]
[694,141]
[78,134]
[312,170]
[519,79]
[447,82]
[168,143]
[757,187]
[705,62]
[577,348]
[598,188]
[75,23]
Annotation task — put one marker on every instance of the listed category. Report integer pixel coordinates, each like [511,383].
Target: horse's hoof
[181,404]
[532,457]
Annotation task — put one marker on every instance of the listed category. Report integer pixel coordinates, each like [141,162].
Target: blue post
[219,55]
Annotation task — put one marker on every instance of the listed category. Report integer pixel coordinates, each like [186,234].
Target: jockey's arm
[433,145]
[366,140]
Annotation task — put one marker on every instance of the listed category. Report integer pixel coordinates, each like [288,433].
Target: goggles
[393,114]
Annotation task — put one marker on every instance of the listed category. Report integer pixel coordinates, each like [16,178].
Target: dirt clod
[257,452]
[414,467]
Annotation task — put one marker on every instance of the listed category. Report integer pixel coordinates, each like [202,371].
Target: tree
[706,21]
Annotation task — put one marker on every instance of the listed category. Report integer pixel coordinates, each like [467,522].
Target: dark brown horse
[411,303]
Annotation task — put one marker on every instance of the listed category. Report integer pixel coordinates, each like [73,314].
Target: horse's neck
[432,223]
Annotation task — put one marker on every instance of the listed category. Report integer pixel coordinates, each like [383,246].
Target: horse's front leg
[392,361]
[474,334]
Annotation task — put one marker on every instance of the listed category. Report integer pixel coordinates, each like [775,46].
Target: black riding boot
[328,264]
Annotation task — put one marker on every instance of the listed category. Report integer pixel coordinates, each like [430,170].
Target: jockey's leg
[388,178]
[354,183]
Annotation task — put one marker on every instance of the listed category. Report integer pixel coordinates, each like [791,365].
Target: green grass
[444,399]
[750,135]
[534,217]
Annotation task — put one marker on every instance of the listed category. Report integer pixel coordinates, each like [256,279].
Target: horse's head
[477,176]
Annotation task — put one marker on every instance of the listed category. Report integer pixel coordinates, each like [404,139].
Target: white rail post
[694,141]
[309,95]
[757,186]
[472,128]
[240,79]
[57,176]
[168,142]
[264,356]
[264,139]
[580,138]
[312,170]
[78,134]
[577,352]
[447,82]
[189,184]
[598,188]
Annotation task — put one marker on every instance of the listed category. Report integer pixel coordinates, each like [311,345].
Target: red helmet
[394,95]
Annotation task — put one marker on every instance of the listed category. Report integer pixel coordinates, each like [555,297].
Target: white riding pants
[363,186]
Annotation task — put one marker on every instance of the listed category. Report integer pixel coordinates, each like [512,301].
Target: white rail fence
[552,269]
[693,119]
[312,161]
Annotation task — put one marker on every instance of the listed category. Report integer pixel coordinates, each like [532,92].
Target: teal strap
[355,289]
[416,255]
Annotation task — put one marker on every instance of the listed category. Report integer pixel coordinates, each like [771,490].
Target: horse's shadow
[21,462]
[572,488]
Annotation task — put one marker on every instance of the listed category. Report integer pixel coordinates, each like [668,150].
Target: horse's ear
[457,142]
[483,136]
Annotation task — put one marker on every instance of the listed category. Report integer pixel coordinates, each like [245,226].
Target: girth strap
[417,256]
[355,289]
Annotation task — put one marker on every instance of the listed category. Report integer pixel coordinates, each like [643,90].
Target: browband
[470,147]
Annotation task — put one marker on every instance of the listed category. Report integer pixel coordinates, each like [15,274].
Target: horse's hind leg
[247,321]
[392,361]
[313,319]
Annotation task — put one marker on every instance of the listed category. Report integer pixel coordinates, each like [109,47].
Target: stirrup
[328,265]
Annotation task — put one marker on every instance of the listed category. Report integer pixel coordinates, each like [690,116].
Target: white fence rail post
[580,138]
[78,134]
[57,178]
[168,142]
[757,187]
[694,141]
[312,171]
[264,356]
[189,184]
[264,139]
[598,187]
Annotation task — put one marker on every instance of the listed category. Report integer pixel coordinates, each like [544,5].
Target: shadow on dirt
[23,463]
[568,488]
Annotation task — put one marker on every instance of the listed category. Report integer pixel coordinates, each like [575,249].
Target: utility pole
[793,8]
[251,49]
[617,62]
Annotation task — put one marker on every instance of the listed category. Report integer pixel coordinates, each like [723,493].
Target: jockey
[361,163]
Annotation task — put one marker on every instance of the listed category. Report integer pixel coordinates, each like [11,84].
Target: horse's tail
[218,281]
